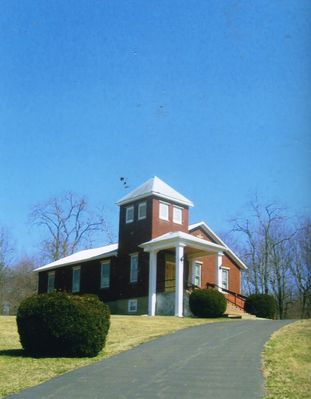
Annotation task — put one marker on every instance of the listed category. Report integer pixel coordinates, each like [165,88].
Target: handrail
[240,297]
[213,285]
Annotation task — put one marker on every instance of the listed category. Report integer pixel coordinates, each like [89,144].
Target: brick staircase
[235,312]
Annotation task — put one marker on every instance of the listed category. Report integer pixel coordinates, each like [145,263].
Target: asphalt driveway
[214,361]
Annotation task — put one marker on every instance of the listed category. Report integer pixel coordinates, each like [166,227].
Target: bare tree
[69,225]
[6,251]
[266,252]
[20,282]
[301,266]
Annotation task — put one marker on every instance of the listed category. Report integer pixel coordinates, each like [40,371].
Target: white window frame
[128,210]
[193,277]
[177,220]
[105,265]
[51,277]
[226,269]
[142,205]
[132,306]
[74,288]
[163,216]
[134,268]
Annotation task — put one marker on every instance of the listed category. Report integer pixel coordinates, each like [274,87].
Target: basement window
[132,305]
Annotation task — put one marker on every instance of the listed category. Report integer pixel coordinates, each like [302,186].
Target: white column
[179,294]
[152,293]
[218,262]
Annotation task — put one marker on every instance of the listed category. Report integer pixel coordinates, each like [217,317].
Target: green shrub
[261,305]
[61,324]
[207,303]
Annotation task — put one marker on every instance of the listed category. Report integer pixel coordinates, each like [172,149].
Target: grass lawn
[18,372]
[287,362]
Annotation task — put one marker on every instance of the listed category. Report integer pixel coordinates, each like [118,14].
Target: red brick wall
[209,269]
[160,226]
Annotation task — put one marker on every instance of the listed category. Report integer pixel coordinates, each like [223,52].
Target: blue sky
[214,97]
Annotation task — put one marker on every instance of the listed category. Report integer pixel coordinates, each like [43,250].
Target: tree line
[67,224]
[276,250]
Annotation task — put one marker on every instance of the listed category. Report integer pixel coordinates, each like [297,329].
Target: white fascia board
[74,259]
[210,232]
[170,240]
[165,197]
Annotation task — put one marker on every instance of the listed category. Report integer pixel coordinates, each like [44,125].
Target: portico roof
[194,245]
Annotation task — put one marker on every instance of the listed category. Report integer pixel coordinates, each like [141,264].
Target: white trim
[222,281]
[152,292]
[168,211]
[82,256]
[228,251]
[129,219]
[140,205]
[181,214]
[130,303]
[193,275]
[171,240]
[179,293]
[158,188]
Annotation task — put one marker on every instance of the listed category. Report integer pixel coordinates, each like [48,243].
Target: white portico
[184,245]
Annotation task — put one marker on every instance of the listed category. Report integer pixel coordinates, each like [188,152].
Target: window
[177,215]
[132,305]
[51,281]
[196,274]
[224,278]
[163,211]
[105,274]
[76,279]
[142,210]
[134,268]
[129,217]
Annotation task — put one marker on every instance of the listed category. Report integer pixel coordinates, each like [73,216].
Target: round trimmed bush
[207,303]
[261,305]
[61,324]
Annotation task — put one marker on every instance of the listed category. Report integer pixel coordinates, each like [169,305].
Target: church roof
[157,187]
[82,256]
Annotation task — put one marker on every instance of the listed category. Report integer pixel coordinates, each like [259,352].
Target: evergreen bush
[207,303]
[261,305]
[61,324]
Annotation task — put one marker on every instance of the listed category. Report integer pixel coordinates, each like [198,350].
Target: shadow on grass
[14,353]
[22,353]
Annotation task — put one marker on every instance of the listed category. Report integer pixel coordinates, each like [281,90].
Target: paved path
[216,361]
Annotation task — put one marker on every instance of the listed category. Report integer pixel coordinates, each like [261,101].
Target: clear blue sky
[214,97]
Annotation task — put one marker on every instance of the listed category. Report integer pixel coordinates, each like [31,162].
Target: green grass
[18,372]
[287,362]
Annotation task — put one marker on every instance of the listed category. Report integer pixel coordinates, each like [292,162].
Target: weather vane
[123,180]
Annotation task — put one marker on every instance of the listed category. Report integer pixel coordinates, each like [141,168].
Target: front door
[170,274]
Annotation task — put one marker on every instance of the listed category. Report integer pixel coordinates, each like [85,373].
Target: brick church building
[159,257]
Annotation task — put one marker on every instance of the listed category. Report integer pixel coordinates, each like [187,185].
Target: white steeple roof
[157,187]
